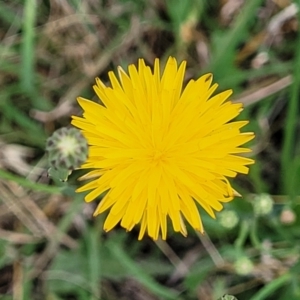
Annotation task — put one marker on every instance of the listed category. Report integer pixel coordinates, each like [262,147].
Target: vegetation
[50,245]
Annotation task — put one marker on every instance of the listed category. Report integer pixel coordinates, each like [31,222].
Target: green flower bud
[262,204]
[228,297]
[67,149]
[228,218]
[243,266]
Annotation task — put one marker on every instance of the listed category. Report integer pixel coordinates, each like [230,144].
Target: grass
[50,245]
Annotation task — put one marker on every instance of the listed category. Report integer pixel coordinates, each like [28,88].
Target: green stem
[24,182]
[93,261]
[244,230]
[271,287]
[27,69]
[291,124]
[142,277]
[253,235]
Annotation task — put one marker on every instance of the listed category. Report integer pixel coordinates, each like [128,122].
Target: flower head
[159,150]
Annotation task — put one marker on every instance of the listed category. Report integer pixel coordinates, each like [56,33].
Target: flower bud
[243,266]
[287,216]
[262,204]
[67,149]
[228,219]
[228,297]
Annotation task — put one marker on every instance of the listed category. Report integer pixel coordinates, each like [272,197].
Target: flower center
[158,156]
[68,145]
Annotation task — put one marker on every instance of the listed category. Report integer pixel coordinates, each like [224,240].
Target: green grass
[50,245]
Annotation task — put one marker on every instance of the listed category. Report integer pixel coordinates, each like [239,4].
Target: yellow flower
[158,150]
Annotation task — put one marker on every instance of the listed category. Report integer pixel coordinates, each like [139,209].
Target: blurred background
[50,245]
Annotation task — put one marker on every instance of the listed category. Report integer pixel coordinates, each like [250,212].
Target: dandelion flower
[157,150]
